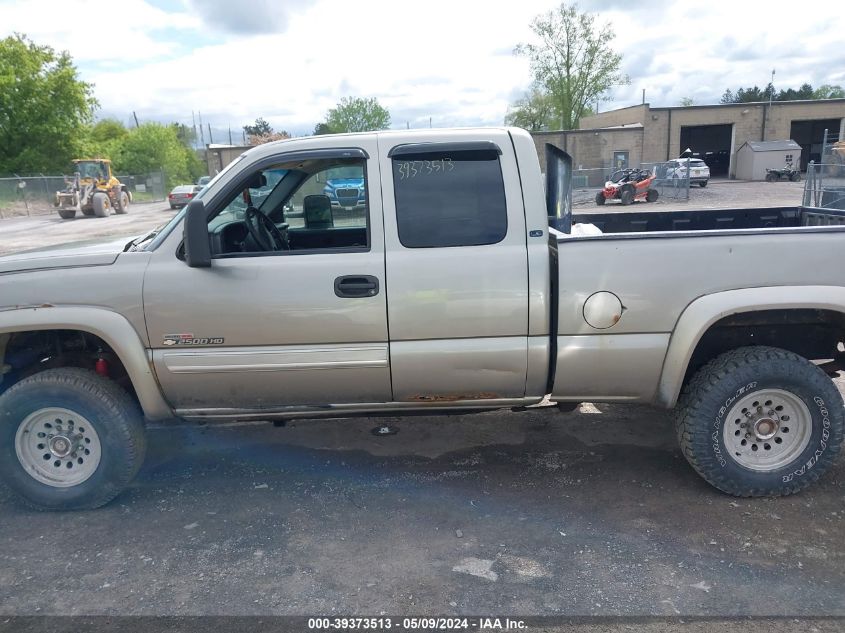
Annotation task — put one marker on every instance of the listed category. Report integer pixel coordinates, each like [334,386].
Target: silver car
[182,195]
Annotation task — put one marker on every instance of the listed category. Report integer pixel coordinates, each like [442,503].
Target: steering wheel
[263,231]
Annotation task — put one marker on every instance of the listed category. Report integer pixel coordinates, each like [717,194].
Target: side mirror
[195,236]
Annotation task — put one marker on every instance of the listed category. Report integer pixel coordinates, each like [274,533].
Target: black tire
[702,184]
[702,410]
[600,200]
[626,196]
[121,204]
[88,212]
[107,407]
[795,177]
[771,177]
[100,203]
[652,195]
[67,214]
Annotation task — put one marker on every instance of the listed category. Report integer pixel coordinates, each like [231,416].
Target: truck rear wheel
[69,439]
[67,214]
[100,203]
[760,421]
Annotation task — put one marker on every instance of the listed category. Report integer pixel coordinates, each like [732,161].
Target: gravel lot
[537,513]
[39,231]
[718,194]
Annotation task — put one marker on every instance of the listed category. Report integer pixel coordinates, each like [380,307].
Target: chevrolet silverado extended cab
[463,284]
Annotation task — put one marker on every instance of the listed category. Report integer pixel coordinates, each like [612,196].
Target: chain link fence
[824,186]
[34,194]
[671,181]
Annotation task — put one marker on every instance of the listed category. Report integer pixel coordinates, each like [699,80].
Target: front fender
[110,326]
[702,313]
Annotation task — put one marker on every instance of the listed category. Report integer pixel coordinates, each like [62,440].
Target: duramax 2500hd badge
[190,339]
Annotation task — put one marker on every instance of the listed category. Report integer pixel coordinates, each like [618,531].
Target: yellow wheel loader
[93,190]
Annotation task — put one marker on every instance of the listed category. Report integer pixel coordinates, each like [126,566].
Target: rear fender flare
[702,313]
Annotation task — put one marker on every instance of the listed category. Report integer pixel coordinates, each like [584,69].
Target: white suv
[699,171]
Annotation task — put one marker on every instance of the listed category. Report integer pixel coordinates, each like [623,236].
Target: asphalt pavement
[537,513]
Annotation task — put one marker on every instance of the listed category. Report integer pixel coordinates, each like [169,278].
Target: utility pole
[210,138]
[230,135]
[202,133]
[643,96]
[766,113]
[136,119]
[772,91]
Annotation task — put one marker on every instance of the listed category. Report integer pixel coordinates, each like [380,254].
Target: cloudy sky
[448,61]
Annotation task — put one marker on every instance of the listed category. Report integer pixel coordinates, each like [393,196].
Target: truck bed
[657,264]
[711,219]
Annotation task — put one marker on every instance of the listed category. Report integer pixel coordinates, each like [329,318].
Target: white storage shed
[754,157]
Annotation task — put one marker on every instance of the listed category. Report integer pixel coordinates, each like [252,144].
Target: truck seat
[317,210]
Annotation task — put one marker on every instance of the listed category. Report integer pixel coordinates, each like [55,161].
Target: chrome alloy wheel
[768,429]
[58,447]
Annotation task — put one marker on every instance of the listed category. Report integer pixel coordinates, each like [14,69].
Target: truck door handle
[350,286]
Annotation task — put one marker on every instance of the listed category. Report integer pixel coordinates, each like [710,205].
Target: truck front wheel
[760,421]
[69,439]
[100,204]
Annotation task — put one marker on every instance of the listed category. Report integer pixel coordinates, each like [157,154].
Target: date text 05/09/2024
[416,624]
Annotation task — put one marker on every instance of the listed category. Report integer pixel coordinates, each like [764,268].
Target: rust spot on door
[453,397]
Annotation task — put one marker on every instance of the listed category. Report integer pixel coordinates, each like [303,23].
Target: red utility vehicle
[627,185]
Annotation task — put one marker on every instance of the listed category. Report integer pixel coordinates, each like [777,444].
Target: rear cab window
[449,196]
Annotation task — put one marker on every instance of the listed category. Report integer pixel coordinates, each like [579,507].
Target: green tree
[103,139]
[572,61]
[185,133]
[827,91]
[354,114]
[152,147]
[686,101]
[790,94]
[804,92]
[259,128]
[534,112]
[44,107]
[747,95]
[108,131]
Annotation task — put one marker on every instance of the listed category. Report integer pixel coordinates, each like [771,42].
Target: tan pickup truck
[451,280]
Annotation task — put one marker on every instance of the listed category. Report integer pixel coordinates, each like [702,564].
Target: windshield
[91,169]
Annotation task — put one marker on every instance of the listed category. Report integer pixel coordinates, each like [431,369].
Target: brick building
[642,134]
